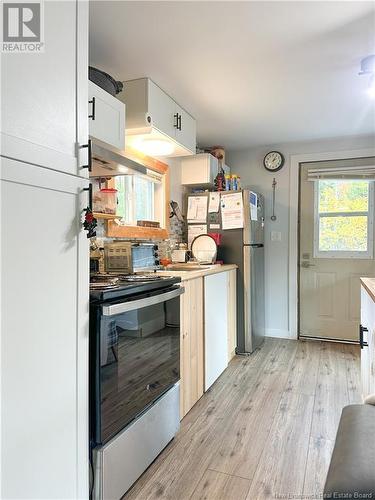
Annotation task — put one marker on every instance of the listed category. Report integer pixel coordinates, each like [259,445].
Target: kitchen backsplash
[177,234]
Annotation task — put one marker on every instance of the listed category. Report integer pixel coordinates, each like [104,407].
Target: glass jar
[105,201]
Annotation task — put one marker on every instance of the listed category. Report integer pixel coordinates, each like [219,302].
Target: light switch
[275,235]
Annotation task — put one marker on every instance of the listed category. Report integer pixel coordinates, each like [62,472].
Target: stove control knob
[157,262]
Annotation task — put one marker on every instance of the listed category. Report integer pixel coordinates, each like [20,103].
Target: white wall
[249,165]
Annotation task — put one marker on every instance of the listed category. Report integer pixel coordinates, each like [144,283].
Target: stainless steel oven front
[134,357]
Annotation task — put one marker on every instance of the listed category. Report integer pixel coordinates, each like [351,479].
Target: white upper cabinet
[186,131]
[153,114]
[161,109]
[106,117]
[199,170]
[44,95]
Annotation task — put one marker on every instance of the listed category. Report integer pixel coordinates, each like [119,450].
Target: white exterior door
[44,103]
[336,249]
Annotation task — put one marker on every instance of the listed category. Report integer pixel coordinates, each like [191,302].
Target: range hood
[108,162]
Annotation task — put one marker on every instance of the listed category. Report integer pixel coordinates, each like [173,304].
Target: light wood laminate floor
[265,429]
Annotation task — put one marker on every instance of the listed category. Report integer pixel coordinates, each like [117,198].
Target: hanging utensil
[274,183]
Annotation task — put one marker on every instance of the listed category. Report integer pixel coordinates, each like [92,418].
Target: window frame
[161,170]
[343,254]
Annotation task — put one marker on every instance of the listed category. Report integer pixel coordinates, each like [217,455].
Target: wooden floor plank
[281,468]
[218,486]
[262,427]
[352,356]
[331,392]
[319,456]
[304,370]
[235,455]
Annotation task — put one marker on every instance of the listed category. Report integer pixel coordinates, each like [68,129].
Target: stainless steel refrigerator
[245,247]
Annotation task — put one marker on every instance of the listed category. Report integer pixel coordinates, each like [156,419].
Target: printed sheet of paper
[231,211]
[194,231]
[253,206]
[214,204]
[197,209]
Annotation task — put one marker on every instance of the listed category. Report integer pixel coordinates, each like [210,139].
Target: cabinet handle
[92,102]
[89,156]
[89,189]
[176,122]
[362,343]
[179,121]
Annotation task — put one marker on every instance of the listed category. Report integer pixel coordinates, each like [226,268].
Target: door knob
[306,264]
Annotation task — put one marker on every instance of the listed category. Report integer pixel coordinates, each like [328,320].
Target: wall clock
[273,161]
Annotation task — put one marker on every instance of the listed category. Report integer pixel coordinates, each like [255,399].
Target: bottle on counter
[238,183]
[234,182]
[227,182]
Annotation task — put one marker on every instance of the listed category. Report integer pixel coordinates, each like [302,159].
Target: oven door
[137,357]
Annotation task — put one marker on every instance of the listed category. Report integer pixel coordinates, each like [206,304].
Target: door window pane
[343,234]
[343,196]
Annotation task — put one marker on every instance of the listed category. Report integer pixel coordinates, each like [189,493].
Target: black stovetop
[128,285]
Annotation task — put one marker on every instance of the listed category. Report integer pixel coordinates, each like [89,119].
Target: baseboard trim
[279,334]
[325,339]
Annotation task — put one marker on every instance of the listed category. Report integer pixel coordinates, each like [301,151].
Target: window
[139,198]
[343,219]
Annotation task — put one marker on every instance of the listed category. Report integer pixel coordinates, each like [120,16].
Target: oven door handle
[138,304]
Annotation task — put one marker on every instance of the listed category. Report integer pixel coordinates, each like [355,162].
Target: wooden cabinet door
[186,134]
[44,95]
[44,334]
[106,117]
[192,345]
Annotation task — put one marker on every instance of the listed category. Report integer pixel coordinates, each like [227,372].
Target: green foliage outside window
[345,232]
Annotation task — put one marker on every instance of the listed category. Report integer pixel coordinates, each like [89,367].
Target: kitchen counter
[189,275]
[369,285]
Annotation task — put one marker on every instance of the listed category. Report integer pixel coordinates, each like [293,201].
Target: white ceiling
[252,73]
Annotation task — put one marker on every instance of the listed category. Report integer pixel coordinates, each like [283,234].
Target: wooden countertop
[189,275]
[369,285]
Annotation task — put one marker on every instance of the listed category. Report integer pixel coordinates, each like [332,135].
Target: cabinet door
[232,313]
[161,109]
[192,345]
[44,95]
[106,117]
[187,136]
[215,326]
[44,334]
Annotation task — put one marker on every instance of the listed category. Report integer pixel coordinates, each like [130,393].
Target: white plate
[204,249]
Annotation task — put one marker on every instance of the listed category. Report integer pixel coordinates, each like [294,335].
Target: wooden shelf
[99,215]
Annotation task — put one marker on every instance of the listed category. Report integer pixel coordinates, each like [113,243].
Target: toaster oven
[127,258]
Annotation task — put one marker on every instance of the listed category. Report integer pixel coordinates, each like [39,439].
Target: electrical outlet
[275,235]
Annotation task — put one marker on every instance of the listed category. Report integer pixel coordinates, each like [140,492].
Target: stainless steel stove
[134,375]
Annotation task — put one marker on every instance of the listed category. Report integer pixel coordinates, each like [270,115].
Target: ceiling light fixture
[155,147]
[368,68]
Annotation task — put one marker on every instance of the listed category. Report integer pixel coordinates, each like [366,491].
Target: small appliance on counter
[128,258]
[180,254]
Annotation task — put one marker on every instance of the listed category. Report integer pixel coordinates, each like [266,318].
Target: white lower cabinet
[215,326]
[44,334]
[368,347]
